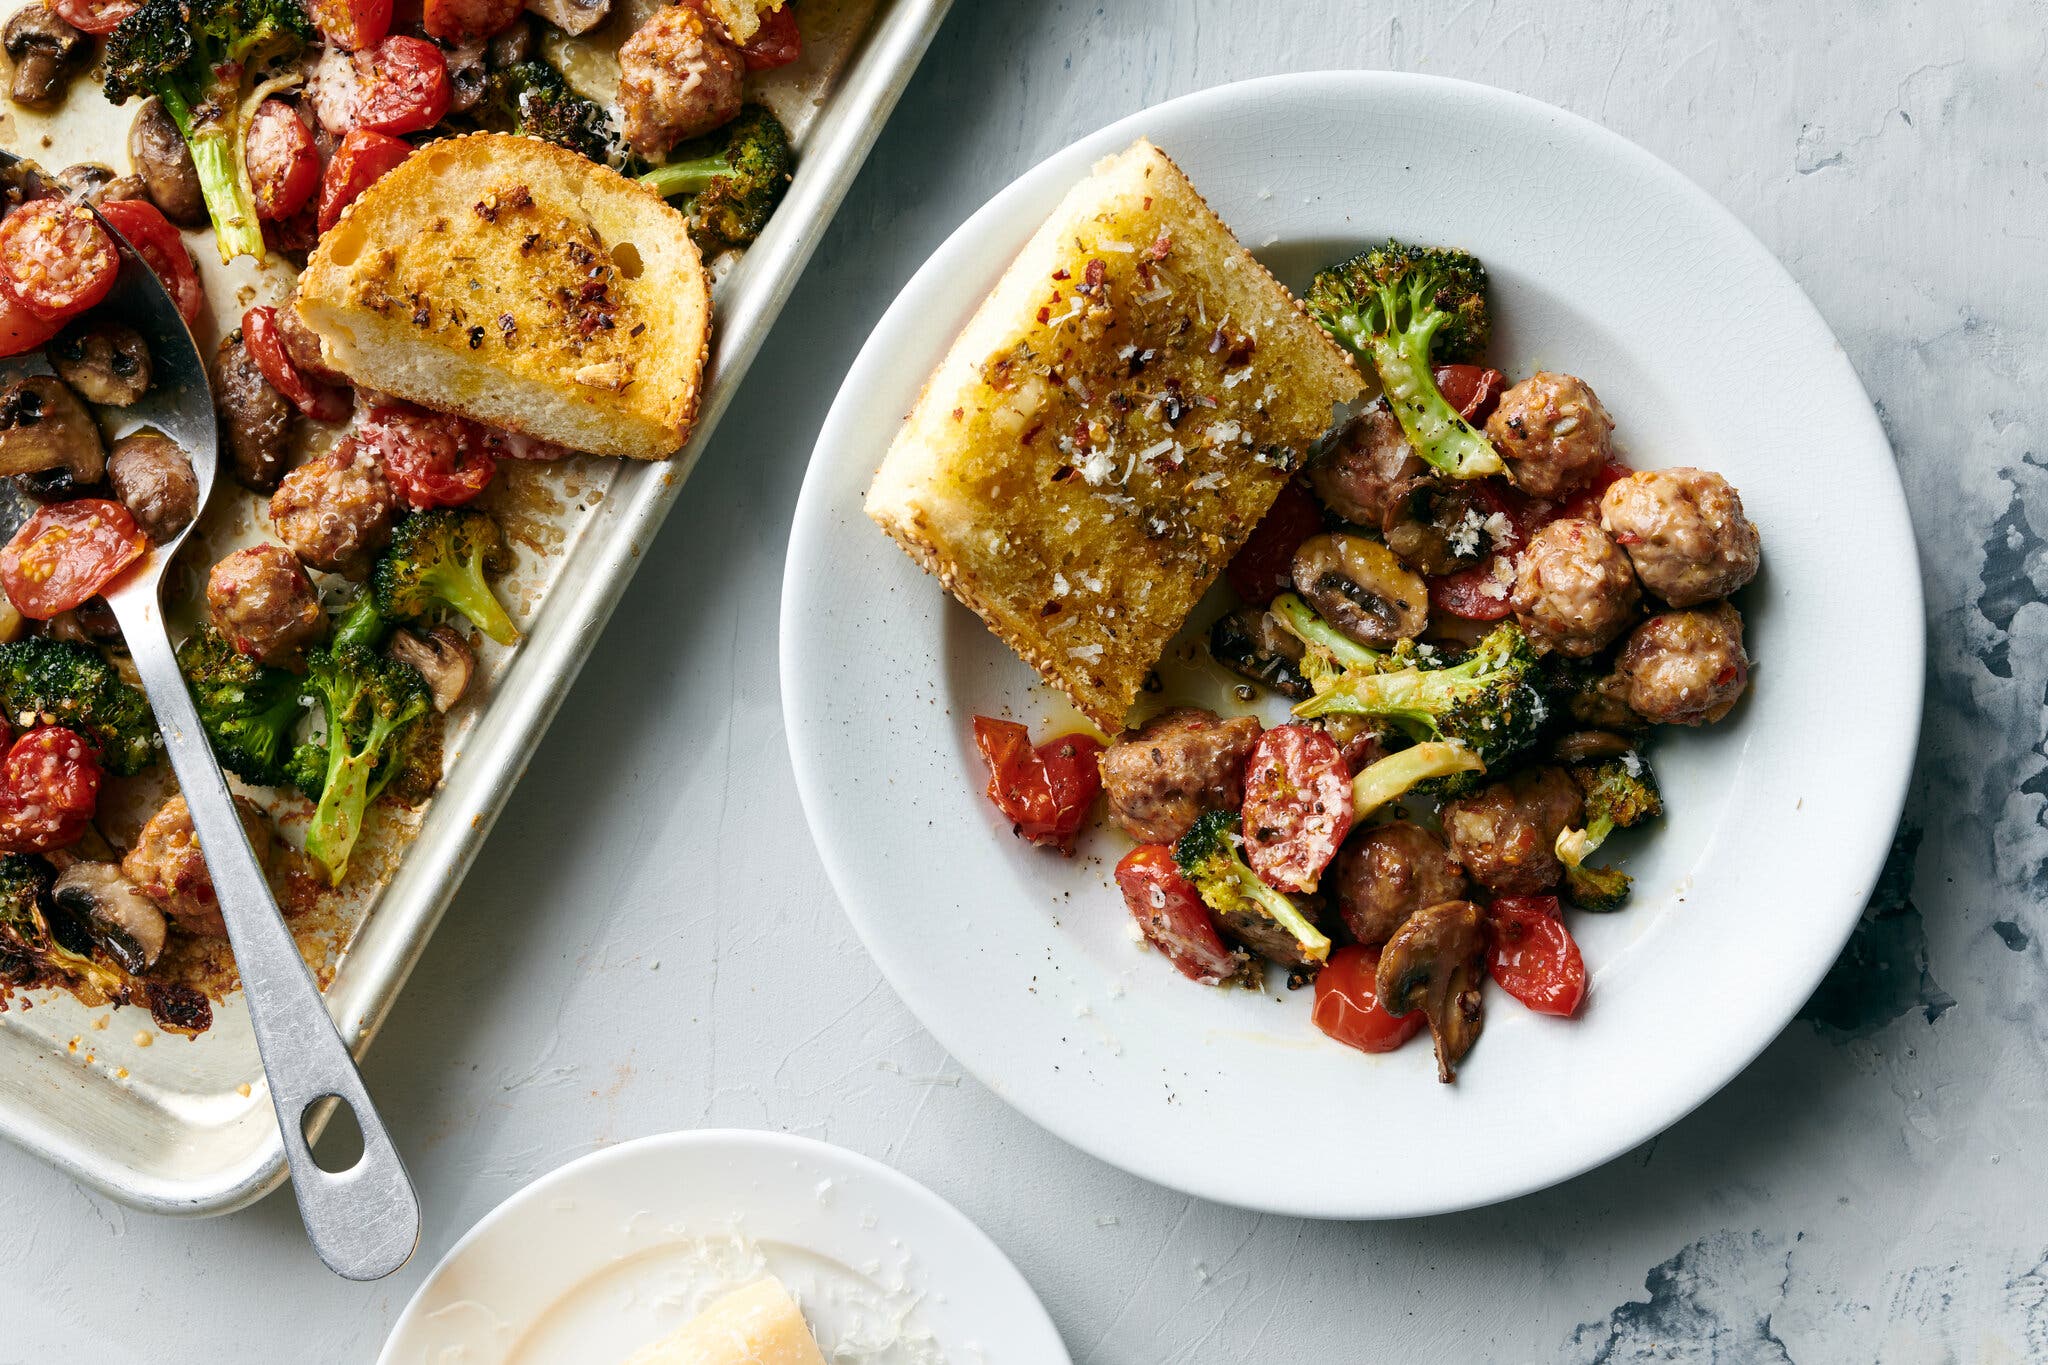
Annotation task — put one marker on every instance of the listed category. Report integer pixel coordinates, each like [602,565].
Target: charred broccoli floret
[202,58]
[533,98]
[39,946]
[64,682]
[1408,308]
[1489,701]
[1208,854]
[248,709]
[371,704]
[1619,792]
[735,177]
[439,560]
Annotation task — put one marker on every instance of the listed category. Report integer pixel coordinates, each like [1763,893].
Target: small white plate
[1605,263]
[618,1248]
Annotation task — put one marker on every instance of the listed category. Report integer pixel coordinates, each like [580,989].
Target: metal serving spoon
[364,1221]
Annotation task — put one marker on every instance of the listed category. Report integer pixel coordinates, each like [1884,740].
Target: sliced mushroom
[1250,642]
[44,428]
[1437,526]
[153,478]
[1433,964]
[255,419]
[165,164]
[123,921]
[466,72]
[98,184]
[1587,746]
[46,50]
[510,46]
[103,361]
[443,658]
[1362,589]
[571,16]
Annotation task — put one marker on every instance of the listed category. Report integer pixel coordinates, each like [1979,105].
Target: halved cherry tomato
[1584,505]
[404,85]
[1473,594]
[1260,570]
[1532,955]
[351,24]
[359,162]
[294,236]
[284,165]
[21,330]
[95,16]
[433,459]
[49,790]
[776,42]
[1044,792]
[321,402]
[161,249]
[1171,915]
[66,553]
[55,258]
[1297,805]
[1480,593]
[1348,1003]
[461,21]
[1473,390]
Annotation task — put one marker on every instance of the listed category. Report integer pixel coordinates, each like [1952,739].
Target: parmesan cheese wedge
[756,1325]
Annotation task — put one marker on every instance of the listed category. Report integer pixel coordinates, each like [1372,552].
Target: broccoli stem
[362,624]
[1439,435]
[338,819]
[224,184]
[1305,625]
[470,595]
[686,177]
[1394,776]
[1314,943]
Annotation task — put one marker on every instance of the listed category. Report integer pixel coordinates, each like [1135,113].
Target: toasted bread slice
[514,282]
[1115,419]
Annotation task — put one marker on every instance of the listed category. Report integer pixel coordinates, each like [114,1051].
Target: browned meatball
[1388,872]
[1182,764]
[1685,667]
[1685,531]
[302,343]
[262,601]
[337,511]
[1358,478]
[679,77]
[1574,589]
[153,478]
[255,419]
[1506,832]
[167,865]
[1553,433]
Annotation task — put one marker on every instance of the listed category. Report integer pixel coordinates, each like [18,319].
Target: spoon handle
[364,1221]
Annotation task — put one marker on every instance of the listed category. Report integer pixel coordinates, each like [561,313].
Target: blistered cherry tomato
[1044,792]
[1260,571]
[20,330]
[1348,1003]
[49,790]
[284,165]
[1584,505]
[1532,955]
[351,24]
[1473,390]
[55,258]
[359,162]
[433,459]
[161,249]
[321,402]
[461,21]
[1171,915]
[404,85]
[95,16]
[66,553]
[1297,805]
[776,42]
[1476,594]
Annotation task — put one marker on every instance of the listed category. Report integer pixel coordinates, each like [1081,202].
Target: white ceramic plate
[621,1247]
[1605,263]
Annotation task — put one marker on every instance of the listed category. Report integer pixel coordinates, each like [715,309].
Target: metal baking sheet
[175,1125]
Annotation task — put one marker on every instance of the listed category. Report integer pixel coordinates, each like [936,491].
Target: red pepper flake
[1045,315]
[1032,433]
[1161,245]
[1095,273]
[1062,274]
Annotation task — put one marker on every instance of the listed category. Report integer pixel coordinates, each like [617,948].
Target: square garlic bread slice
[516,283]
[1105,433]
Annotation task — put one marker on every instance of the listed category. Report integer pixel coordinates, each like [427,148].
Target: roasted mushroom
[165,164]
[1433,963]
[103,361]
[1588,746]
[571,16]
[1362,589]
[466,73]
[153,478]
[97,184]
[1438,526]
[45,51]
[255,419]
[1250,642]
[443,658]
[45,429]
[121,920]
[512,45]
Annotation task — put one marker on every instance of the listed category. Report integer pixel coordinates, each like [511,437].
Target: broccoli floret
[1407,308]
[439,560]
[64,682]
[370,702]
[361,624]
[736,181]
[533,98]
[1489,701]
[248,709]
[202,58]
[1208,854]
[1619,792]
